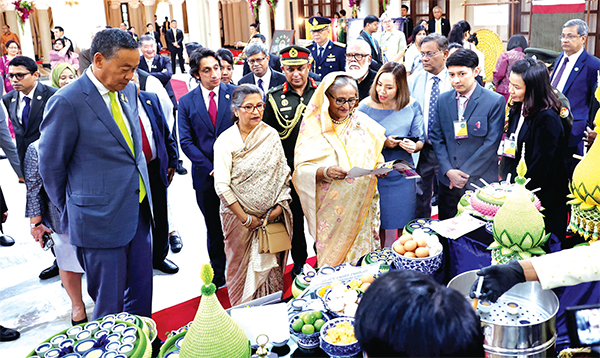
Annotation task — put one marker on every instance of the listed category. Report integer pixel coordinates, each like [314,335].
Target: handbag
[273,237]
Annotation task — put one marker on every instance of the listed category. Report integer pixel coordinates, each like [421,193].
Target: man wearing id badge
[467,132]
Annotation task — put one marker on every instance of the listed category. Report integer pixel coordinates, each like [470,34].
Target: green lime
[318,324]
[297,325]
[308,329]
[308,319]
[317,314]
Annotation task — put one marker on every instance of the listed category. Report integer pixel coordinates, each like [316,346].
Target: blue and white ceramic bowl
[426,265]
[306,341]
[338,350]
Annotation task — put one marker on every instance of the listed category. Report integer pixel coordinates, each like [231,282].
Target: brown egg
[404,238]
[410,254]
[422,252]
[366,278]
[399,248]
[410,245]
[421,242]
[365,286]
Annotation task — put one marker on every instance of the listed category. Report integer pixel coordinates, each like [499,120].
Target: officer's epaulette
[313,83]
[339,44]
[285,87]
[274,89]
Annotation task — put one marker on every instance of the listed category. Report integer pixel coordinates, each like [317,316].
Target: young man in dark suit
[262,75]
[25,107]
[408,25]
[371,24]
[174,39]
[438,25]
[205,113]
[466,132]
[150,31]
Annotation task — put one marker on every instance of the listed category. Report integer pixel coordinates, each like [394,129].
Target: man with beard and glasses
[358,59]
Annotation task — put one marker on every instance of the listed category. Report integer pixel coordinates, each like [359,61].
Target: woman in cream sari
[342,212]
[252,179]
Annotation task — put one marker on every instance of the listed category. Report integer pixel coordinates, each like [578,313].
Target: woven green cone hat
[213,333]
[519,227]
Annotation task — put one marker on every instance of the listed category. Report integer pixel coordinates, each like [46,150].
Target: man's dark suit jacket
[170,39]
[445,26]
[274,63]
[163,140]
[277,79]
[156,38]
[85,60]
[26,136]
[376,53]
[160,63]
[197,134]
[365,85]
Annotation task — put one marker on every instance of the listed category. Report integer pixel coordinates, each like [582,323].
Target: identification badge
[460,130]
[510,147]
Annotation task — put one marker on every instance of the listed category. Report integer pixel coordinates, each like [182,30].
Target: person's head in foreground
[407,314]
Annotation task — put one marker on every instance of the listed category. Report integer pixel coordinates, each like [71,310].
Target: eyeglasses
[317,31]
[19,76]
[356,56]
[568,37]
[250,108]
[252,62]
[341,101]
[430,54]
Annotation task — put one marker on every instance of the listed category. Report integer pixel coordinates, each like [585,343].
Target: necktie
[25,115]
[118,116]
[212,109]
[461,106]
[435,93]
[438,27]
[145,143]
[260,82]
[320,54]
[560,72]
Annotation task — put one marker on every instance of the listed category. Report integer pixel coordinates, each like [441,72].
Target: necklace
[342,121]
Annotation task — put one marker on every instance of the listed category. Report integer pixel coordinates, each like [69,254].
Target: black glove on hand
[498,279]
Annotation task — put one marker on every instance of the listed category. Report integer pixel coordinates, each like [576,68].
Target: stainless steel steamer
[520,324]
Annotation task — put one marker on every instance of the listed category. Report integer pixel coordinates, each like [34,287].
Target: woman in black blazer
[535,120]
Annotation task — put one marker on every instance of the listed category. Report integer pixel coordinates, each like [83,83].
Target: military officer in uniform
[284,112]
[328,56]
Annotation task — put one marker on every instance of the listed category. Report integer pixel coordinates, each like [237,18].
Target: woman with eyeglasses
[252,179]
[13,50]
[391,40]
[535,120]
[390,105]
[342,211]
[62,53]
[412,56]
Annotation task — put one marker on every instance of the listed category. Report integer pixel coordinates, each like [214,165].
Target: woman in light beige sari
[252,179]
[342,212]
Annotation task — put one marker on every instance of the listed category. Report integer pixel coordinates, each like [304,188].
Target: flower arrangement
[23,9]
[384,4]
[355,5]
[255,7]
[272,5]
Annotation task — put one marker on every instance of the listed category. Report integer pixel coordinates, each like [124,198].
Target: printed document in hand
[402,166]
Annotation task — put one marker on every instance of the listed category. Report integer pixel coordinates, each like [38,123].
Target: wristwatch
[35,225]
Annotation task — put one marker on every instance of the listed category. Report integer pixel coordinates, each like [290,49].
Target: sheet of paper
[357,172]
[456,227]
[271,320]
[406,169]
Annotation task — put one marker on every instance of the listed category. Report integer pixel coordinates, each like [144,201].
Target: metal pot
[520,324]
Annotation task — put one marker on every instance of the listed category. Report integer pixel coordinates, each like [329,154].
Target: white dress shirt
[206,96]
[568,68]
[148,129]
[149,63]
[443,76]
[21,102]
[104,93]
[266,80]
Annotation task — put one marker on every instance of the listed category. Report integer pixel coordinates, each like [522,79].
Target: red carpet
[177,316]
[179,87]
